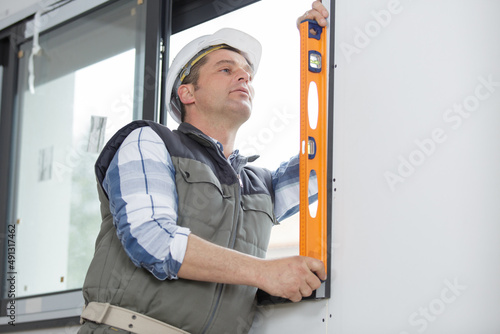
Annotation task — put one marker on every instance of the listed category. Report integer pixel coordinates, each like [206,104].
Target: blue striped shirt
[140,183]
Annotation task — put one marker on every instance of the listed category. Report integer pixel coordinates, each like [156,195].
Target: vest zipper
[237,203]
[231,246]
[217,301]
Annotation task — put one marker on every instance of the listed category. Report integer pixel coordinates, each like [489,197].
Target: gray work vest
[214,205]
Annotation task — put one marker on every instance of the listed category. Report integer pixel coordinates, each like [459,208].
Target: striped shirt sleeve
[140,183]
[286,187]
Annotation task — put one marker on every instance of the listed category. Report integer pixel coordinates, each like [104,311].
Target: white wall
[416,232]
[417,222]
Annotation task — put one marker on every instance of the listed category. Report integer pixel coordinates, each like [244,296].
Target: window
[88,83]
[64,126]
[95,73]
[273,129]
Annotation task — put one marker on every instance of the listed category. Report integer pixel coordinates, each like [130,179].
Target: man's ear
[185,93]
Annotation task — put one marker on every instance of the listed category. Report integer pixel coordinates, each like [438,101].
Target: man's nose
[244,75]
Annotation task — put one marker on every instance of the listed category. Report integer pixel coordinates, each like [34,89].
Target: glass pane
[83,93]
[273,129]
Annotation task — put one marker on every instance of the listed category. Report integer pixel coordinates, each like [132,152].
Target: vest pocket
[261,203]
[196,172]
[258,220]
[204,207]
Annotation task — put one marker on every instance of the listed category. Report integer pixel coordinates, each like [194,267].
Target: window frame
[11,39]
[164,18]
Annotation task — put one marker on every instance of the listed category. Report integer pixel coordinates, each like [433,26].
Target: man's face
[224,87]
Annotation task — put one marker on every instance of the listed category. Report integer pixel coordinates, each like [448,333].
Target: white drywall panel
[416,230]
[304,317]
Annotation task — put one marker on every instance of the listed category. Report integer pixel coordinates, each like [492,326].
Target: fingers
[318,13]
[312,280]
[306,289]
[292,278]
[318,268]
[295,298]
[321,10]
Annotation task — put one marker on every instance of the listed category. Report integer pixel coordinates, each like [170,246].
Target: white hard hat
[249,47]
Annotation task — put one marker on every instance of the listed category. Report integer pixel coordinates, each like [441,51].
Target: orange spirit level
[313,139]
[316,130]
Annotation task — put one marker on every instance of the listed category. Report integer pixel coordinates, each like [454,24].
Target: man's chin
[244,109]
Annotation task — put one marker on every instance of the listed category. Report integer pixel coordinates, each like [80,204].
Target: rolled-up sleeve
[140,183]
[286,185]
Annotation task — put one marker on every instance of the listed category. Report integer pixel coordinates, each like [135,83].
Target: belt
[122,318]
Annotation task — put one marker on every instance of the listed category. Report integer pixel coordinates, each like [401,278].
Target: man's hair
[194,75]
[192,78]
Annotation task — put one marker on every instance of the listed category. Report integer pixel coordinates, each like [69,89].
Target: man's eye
[227,70]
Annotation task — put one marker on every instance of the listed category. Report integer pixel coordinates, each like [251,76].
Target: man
[186,221]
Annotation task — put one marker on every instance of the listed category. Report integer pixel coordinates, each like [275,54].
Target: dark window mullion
[166,29]
[10,62]
[192,12]
[151,73]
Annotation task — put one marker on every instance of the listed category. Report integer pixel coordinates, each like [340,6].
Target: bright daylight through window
[273,129]
[83,93]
